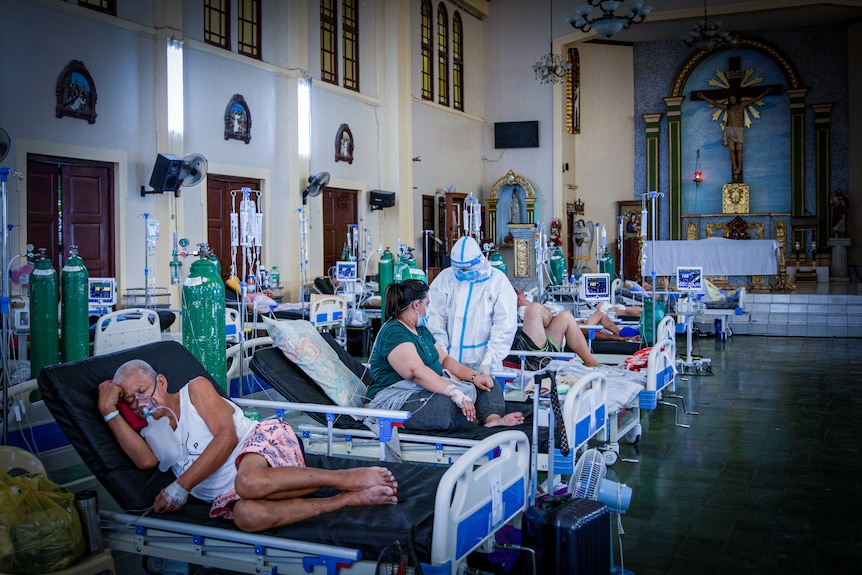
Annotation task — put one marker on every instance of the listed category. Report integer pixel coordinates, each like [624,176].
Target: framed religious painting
[76,93]
[630,212]
[344,144]
[237,120]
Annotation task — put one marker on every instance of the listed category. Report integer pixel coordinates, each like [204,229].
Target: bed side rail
[484,489]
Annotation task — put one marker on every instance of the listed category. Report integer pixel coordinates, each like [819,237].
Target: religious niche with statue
[511,224]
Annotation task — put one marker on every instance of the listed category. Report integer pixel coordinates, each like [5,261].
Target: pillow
[303,345]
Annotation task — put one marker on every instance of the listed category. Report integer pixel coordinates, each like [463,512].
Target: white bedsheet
[717,256]
[622,386]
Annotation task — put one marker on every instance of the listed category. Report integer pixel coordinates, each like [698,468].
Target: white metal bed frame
[478,494]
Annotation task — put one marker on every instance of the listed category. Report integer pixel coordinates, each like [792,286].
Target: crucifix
[735,98]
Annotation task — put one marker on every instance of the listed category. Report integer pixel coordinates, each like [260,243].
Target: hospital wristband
[111,415]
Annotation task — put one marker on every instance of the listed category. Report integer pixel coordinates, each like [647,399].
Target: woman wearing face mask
[411,372]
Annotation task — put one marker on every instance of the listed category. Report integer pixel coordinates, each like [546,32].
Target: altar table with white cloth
[717,257]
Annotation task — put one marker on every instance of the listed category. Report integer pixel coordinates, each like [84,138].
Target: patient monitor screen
[689,279]
[345,271]
[102,292]
[596,287]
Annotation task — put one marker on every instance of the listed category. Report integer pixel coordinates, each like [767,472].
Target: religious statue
[733,135]
[554,238]
[515,207]
[583,235]
[839,214]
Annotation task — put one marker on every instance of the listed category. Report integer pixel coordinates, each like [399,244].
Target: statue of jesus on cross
[735,100]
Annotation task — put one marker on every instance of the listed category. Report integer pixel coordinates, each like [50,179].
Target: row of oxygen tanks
[557,265]
[203,312]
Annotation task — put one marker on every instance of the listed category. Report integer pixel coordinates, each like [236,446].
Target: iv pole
[4,298]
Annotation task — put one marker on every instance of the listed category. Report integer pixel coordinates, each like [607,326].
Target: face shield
[468,261]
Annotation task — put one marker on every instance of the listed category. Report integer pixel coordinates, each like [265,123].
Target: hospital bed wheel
[610,457]
[154,564]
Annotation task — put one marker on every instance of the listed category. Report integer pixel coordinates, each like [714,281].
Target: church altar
[717,256]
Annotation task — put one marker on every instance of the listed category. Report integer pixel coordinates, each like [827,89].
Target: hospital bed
[443,512]
[627,392]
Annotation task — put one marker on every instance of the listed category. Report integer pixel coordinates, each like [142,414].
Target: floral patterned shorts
[277,443]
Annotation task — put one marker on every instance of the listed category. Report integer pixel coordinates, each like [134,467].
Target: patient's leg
[256,479]
[565,325]
[490,405]
[258,515]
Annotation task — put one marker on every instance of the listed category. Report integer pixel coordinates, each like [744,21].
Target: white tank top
[194,435]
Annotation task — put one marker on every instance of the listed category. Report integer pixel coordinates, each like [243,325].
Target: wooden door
[71,203]
[223,196]
[339,208]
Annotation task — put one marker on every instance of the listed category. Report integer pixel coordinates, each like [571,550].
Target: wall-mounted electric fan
[315,186]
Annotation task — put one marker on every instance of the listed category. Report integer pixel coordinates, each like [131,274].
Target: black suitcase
[570,536]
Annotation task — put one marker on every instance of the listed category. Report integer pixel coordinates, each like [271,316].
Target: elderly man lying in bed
[253,473]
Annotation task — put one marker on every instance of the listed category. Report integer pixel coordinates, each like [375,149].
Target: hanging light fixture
[551,68]
[705,35]
[611,21]
[698,175]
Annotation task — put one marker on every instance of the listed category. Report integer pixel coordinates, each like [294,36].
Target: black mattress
[289,380]
[71,390]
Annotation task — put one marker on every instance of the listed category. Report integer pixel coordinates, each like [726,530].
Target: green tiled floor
[767,479]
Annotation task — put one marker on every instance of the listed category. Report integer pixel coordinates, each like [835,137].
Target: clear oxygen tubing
[303,258]
[620,245]
[541,247]
[4,297]
[146,217]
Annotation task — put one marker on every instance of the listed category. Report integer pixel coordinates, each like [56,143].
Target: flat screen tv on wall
[516,134]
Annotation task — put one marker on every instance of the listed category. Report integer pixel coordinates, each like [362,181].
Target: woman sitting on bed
[410,371]
[253,473]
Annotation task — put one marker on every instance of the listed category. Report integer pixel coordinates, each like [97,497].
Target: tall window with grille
[350,41]
[457,62]
[426,51]
[442,55]
[217,23]
[329,41]
[106,6]
[248,28]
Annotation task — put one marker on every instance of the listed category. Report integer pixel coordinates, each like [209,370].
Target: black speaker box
[380,199]
[166,173]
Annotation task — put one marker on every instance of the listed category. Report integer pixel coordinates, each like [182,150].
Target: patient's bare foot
[361,478]
[377,495]
[514,418]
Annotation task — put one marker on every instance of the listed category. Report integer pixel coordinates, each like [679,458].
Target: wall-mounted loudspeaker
[166,173]
[380,199]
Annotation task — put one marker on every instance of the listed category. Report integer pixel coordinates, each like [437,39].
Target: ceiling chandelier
[705,35]
[610,22]
[551,68]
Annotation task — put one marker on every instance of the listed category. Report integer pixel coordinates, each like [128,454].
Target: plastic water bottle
[162,440]
[251,413]
[275,277]
[564,282]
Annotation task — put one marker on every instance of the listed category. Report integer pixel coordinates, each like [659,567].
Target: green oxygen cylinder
[385,272]
[558,266]
[606,264]
[74,304]
[497,260]
[203,310]
[44,301]
[413,271]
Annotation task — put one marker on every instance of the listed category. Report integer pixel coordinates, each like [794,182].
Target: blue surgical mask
[467,275]
[422,321]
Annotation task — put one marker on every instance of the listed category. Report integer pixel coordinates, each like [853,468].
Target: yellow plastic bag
[40,530]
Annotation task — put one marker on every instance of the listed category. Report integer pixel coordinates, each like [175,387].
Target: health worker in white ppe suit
[474,308]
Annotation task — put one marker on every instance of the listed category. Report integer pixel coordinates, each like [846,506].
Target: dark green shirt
[391,335]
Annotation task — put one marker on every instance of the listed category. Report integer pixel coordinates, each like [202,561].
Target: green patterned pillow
[302,344]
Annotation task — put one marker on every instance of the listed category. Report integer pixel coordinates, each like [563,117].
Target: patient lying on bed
[253,473]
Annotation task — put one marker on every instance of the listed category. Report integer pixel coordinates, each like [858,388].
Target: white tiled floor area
[831,310]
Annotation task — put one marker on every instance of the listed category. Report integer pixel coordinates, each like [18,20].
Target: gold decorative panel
[710,229]
[734,199]
[522,258]
[691,231]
